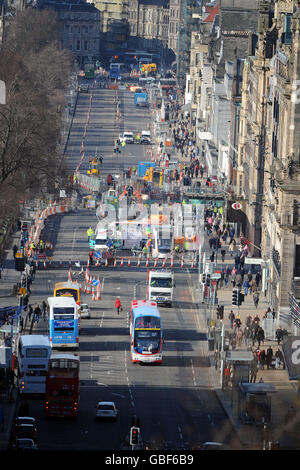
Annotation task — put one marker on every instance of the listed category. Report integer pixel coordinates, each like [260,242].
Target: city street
[175,401]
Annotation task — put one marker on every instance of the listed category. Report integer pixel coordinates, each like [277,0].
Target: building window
[78,45]
[86,45]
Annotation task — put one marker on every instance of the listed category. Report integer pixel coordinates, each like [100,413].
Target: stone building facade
[149,24]
[80,28]
[268,176]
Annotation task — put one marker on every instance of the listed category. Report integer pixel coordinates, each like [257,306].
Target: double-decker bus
[63,322]
[145,332]
[67,289]
[167,83]
[115,71]
[33,356]
[62,386]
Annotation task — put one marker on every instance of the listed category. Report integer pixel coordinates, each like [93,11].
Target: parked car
[106,410]
[25,427]
[85,311]
[27,431]
[25,444]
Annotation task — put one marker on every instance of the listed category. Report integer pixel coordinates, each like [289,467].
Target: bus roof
[61,301]
[144,307]
[68,356]
[66,284]
[35,340]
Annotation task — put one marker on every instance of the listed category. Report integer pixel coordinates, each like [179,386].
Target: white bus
[63,322]
[33,356]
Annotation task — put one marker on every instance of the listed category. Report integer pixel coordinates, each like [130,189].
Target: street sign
[236,205]
[215,276]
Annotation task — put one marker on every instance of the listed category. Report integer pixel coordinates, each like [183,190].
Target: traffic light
[234,297]
[208,279]
[241,298]
[203,278]
[134,435]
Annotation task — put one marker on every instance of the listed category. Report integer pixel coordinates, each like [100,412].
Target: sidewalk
[287,434]
[9,278]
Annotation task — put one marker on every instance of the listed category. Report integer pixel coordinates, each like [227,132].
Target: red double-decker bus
[62,386]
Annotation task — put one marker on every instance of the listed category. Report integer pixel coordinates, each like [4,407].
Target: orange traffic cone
[93,294]
[45,265]
[122,262]
[129,262]
[164,263]
[172,261]
[139,261]
[182,262]
[115,262]
[106,262]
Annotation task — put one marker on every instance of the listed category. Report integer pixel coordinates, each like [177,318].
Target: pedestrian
[258,278]
[279,356]
[253,371]
[30,312]
[237,323]
[246,286]
[226,375]
[247,334]
[255,299]
[262,359]
[279,335]
[44,308]
[269,357]
[36,314]
[91,256]
[223,253]
[118,305]
[253,336]
[260,336]
[15,249]
[239,337]
[231,318]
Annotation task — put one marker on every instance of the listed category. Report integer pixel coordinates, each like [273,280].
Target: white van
[145,137]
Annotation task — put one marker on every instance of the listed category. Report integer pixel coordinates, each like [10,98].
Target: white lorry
[160,286]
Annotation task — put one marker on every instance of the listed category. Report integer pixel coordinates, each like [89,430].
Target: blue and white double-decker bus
[115,71]
[145,332]
[63,322]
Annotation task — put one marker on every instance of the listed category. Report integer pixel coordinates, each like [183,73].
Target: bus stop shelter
[254,402]
[239,362]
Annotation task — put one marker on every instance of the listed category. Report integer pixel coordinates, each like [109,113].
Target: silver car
[106,410]
[84,311]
